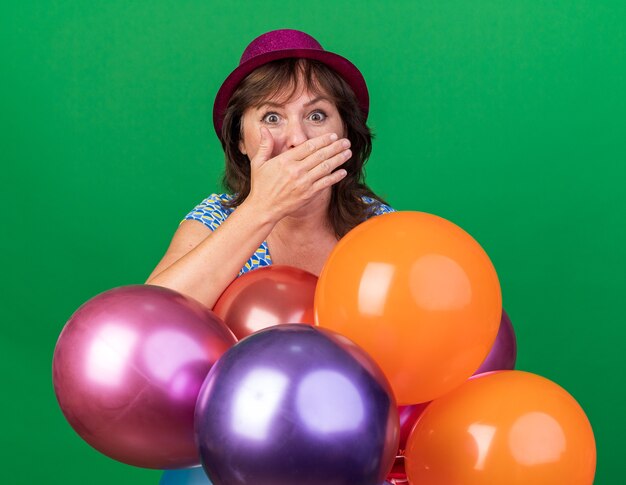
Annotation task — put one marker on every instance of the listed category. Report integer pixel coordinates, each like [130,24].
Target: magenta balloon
[503,351]
[408,416]
[127,370]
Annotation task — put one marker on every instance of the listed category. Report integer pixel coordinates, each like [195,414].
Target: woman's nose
[295,134]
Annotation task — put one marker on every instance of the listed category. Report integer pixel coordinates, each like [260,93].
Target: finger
[266,145]
[310,146]
[326,167]
[324,154]
[329,180]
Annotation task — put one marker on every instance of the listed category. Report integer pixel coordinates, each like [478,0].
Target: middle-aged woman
[292,121]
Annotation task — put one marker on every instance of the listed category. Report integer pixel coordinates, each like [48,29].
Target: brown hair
[346,209]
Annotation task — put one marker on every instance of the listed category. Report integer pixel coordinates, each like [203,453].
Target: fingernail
[345,143]
[333,136]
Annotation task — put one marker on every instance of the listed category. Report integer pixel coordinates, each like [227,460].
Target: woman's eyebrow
[274,104]
[315,100]
[270,104]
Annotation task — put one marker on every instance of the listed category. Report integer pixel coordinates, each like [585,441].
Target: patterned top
[212,213]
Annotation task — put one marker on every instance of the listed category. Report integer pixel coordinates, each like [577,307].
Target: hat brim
[341,65]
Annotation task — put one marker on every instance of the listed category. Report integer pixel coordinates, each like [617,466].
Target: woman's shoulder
[377,206]
[217,200]
[212,211]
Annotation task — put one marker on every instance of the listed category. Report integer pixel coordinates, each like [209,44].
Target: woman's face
[290,121]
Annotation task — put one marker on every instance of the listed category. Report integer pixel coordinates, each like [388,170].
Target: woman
[291,119]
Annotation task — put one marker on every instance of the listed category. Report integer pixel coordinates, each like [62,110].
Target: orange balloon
[503,427]
[419,294]
[265,297]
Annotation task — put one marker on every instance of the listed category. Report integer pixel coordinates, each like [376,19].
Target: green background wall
[506,117]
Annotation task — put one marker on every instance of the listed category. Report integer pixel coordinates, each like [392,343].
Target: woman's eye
[317,116]
[271,118]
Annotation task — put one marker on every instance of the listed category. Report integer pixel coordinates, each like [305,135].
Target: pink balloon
[408,416]
[127,370]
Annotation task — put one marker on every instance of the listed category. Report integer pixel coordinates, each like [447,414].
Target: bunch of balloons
[395,366]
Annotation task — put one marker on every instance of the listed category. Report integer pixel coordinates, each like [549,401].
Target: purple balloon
[294,404]
[127,370]
[503,351]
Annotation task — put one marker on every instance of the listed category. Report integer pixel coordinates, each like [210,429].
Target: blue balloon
[188,476]
[294,404]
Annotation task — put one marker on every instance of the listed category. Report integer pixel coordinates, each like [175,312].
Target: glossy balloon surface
[418,294]
[127,370]
[508,427]
[293,404]
[503,352]
[196,476]
[188,476]
[265,297]
[407,415]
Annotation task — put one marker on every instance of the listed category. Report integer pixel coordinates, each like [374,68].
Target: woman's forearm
[205,271]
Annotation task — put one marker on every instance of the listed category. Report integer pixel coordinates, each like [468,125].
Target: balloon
[127,370]
[504,350]
[187,476]
[408,416]
[419,295]
[265,297]
[192,476]
[294,404]
[508,427]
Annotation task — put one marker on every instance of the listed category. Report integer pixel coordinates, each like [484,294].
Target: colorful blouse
[212,213]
